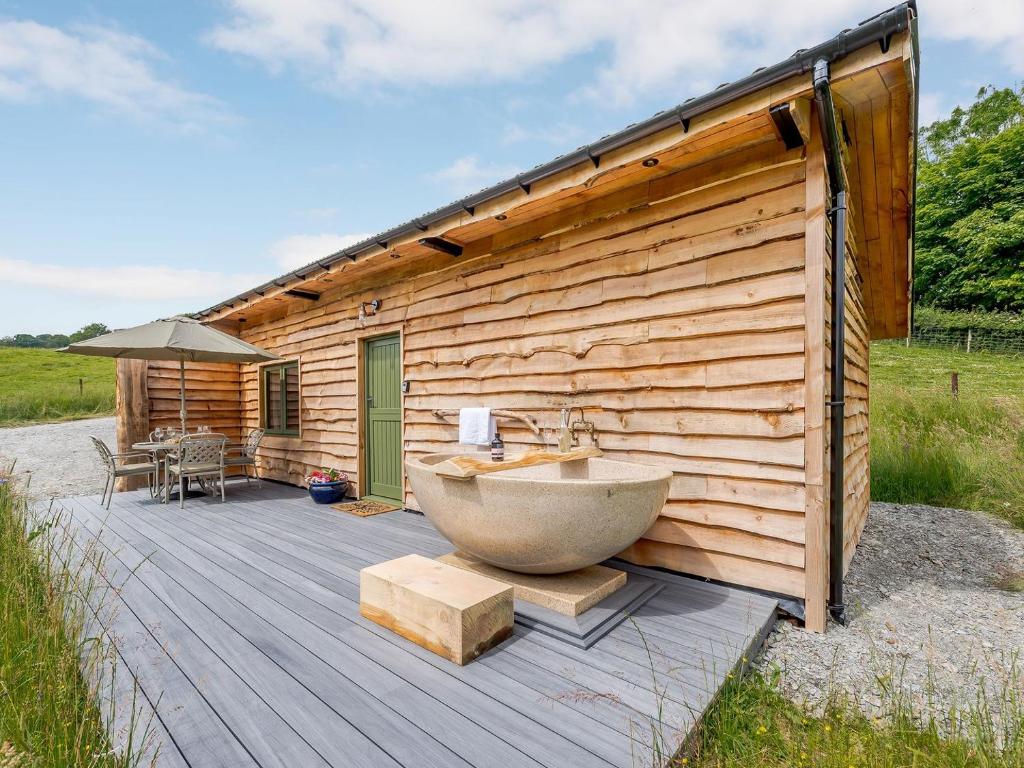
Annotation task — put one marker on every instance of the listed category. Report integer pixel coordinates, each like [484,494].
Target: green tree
[26,340]
[89,331]
[970,206]
[53,340]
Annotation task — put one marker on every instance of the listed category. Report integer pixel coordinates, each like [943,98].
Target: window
[280,388]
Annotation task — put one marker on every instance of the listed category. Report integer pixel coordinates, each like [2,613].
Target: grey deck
[239,625]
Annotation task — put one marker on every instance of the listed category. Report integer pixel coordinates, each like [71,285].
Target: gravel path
[59,457]
[926,614]
[924,606]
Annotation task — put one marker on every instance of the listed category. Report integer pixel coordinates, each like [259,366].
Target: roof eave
[876,30]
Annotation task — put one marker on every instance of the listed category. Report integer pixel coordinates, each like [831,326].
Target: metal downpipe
[837,410]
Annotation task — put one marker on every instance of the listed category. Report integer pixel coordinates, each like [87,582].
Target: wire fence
[966,340]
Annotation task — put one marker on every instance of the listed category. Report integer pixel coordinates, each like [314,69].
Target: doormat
[364,507]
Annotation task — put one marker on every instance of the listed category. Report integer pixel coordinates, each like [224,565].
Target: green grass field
[40,385]
[928,447]
[927,370]
[49,716]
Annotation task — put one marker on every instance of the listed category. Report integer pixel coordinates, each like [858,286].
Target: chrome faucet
[567,429]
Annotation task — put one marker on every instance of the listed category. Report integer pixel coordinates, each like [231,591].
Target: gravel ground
[924,607]
[60,458]
[925,615]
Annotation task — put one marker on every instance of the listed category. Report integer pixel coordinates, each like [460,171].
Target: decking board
[366,671]
[240,622]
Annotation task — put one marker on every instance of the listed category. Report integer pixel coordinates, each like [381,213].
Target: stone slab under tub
[579,607]
[589,627]
[569,594]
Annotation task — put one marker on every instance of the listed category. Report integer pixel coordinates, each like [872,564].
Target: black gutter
[878,29]
[837,405]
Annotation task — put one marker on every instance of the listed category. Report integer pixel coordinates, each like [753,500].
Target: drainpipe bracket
[821,74]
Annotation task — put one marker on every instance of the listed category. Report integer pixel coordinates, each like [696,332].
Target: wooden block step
[455,613]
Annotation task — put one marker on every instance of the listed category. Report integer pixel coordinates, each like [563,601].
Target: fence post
[81,387]
[954,383]
[968,341]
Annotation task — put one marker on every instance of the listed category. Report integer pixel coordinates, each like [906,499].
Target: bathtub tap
[568,429]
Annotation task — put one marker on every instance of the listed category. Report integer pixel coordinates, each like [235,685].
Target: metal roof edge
[877,29]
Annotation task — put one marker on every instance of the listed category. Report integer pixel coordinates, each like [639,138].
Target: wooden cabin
[673,280]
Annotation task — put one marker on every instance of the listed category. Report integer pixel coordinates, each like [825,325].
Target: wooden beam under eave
[800,111]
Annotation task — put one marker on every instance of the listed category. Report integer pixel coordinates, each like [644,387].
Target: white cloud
[674,46]
[103,66]
[299,250]
[651,44]
[129,282]
[467,174]
[995,25]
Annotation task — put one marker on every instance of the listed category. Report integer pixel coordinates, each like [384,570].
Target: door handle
[369,400]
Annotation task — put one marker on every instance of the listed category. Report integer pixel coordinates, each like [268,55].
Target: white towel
[476,426]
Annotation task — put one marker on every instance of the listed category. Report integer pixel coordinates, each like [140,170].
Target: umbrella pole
[182,370]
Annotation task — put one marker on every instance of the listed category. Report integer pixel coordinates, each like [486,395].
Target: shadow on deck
[239,624]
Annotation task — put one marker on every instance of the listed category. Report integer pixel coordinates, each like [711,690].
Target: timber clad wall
[678,326]
[855,450]
[213,396]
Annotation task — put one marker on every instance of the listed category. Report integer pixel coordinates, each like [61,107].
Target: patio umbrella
[176,338]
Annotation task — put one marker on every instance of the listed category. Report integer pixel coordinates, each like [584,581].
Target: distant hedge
[929,317]
[53,340]
[998,332]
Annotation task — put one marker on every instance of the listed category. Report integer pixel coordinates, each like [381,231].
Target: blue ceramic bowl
[328,493]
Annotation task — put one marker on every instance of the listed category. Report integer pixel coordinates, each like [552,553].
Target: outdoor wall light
[373,305]
[650,162]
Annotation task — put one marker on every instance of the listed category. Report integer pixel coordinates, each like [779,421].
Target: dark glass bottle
[497,448]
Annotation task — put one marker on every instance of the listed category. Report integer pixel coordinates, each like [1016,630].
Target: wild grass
[929,447]
[752,724]
[54,669]
[41,385]
[1010,580]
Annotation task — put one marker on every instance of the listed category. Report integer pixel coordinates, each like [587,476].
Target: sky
[156,158]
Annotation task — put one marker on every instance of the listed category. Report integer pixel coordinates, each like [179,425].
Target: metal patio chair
[116,467]
[247,455]
[199,456]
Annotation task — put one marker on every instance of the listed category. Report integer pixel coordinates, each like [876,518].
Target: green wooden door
[383,453]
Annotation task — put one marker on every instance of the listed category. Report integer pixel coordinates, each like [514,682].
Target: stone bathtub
[550,518]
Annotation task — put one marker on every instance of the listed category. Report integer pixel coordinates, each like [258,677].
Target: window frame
[280,370]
